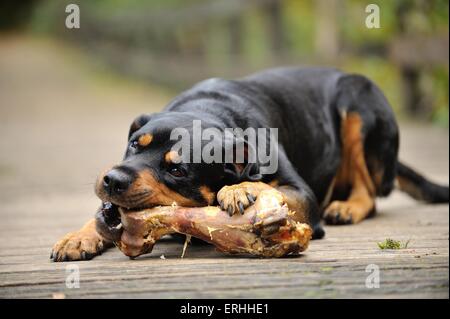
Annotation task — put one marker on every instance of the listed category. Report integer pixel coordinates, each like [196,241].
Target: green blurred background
[174,43]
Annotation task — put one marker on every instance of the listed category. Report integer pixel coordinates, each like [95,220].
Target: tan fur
[160,194]
[207,194]
[152,192]
[72,245]
[145,140]
[352,172]
[172,157]
[274,183]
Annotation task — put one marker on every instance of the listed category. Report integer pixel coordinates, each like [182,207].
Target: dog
[337,151]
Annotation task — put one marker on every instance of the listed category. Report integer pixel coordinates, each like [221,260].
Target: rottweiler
[337,151]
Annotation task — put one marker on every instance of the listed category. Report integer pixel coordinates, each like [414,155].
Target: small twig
[186,243]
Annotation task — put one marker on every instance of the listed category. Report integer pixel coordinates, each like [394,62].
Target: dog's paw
[80,245]
[345,212]
[236,198]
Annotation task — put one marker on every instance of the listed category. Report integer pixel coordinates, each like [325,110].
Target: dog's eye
[177,172]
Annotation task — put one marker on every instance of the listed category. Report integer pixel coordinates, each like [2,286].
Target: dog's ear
[138,122]
[245,166]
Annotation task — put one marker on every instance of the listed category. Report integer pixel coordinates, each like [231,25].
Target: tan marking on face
[145,183]
[207,194]
[172,157]
[145,139]
[160,193]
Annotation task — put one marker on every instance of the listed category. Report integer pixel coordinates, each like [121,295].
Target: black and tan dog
[338,145]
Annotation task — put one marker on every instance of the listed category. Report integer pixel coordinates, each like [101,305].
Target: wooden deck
[59,127]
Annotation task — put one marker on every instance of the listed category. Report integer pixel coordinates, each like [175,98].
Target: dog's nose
[116,182]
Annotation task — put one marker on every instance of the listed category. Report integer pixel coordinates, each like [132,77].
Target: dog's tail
[418,187]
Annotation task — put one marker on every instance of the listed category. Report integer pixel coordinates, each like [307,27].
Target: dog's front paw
[236,198]
[81,245]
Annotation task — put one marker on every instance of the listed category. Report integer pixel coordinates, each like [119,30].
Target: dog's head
[152,173]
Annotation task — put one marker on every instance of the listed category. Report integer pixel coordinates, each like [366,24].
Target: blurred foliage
[15,14]
[177,42]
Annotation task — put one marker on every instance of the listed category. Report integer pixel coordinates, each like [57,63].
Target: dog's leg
[83,244]
[353,174]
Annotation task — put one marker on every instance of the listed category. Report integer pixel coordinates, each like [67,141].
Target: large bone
[266,229]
